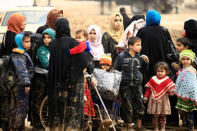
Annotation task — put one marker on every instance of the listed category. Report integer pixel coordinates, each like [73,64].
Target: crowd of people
[157,76]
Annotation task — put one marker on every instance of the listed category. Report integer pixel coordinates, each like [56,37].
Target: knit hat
[188,53]
[105,59]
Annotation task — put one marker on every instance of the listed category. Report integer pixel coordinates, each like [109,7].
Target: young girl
[186,88]
[158,89]
[39,84]
[96,47]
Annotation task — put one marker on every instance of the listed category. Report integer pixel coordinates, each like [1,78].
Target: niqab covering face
[96,47]
[116,35]
[15,22]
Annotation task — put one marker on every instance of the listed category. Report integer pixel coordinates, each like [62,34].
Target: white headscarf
[133,29]
[96,47]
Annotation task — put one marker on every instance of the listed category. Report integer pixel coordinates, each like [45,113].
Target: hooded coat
[43,51]
[24,69]
[65,70]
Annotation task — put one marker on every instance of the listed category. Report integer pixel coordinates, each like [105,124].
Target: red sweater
[158,87]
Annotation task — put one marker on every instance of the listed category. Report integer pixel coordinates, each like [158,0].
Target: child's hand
[145,58]
[27,89]
[175,66]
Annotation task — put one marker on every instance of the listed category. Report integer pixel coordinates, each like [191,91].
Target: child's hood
[19,41]
[50,32]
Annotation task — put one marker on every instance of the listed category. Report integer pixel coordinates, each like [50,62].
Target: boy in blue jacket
[131,94]
[24,70]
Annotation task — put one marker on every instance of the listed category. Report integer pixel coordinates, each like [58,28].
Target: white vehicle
[35,17]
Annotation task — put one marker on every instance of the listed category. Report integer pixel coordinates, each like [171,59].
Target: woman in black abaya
[65,92]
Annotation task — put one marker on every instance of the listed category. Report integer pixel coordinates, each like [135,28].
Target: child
[39,84]
[186,88]
[24,69]
[131,63]
[108,86]
[182,44]
[81,36]
[158,88]
[105,62]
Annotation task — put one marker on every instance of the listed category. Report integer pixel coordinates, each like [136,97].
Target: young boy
[131,95]
[182,44]
[81,36]
[24,70]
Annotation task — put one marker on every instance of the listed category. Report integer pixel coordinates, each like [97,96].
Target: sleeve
[78,49]
[44,60]
[21,71]
[145,46]
[147,94]
[105,43]
[119,63]
[144,66]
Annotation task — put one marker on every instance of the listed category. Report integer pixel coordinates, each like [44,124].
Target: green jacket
[43,52]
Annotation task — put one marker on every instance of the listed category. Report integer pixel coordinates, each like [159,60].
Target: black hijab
[190,27]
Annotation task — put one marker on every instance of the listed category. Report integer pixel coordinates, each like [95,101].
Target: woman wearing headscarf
[190,26]
[16,24]
[52,16]
[114,35]
[65,91]
[156,43]
[96,47]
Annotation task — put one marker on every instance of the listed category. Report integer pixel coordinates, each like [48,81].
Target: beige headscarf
[116,35]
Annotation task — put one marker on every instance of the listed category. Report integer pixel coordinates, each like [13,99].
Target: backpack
[7,76]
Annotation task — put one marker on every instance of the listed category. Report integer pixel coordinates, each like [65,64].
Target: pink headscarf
[96,47]
[133,29]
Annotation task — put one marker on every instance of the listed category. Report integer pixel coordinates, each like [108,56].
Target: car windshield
[32,17]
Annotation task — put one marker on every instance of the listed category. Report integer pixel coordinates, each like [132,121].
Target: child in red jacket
[158,89]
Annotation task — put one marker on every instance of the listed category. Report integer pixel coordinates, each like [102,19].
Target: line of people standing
[64,71]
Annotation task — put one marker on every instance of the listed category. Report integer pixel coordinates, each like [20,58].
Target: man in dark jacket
[126,19]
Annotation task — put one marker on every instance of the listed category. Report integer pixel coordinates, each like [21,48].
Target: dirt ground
[81,14]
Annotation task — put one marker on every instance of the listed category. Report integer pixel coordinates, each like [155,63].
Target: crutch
[104,107]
